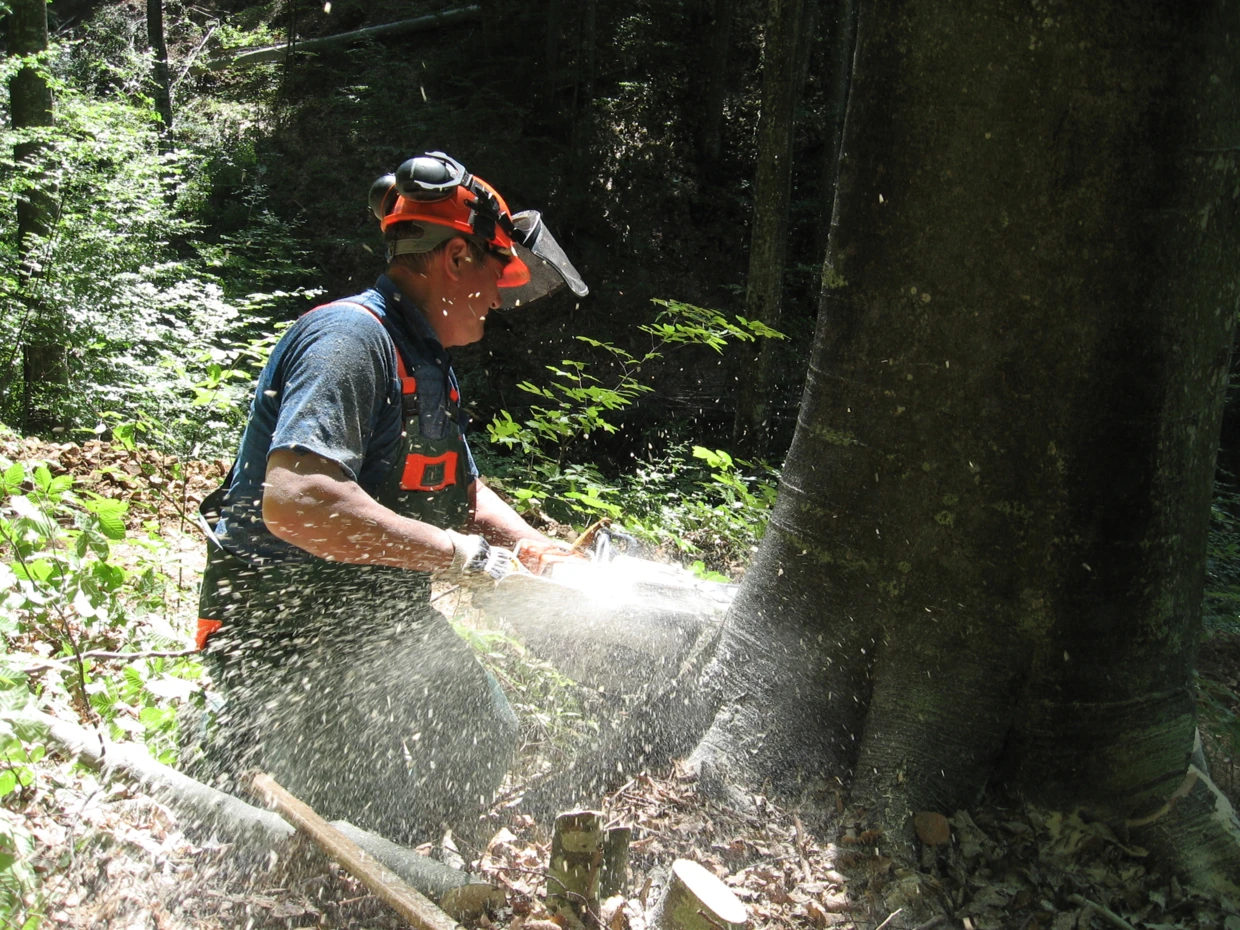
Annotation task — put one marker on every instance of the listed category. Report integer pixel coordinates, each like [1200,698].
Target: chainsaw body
[612,621]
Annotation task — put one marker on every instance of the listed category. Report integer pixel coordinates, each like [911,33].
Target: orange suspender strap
[421,472]
[205,629]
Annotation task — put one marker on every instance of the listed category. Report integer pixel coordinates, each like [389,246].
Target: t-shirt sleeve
[334,381]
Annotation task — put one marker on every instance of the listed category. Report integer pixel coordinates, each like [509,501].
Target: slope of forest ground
[98,852]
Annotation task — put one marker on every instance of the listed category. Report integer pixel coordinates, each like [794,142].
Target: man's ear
[457,256]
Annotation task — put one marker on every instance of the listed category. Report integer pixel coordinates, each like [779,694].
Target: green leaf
[14,475]
[42,478]
[110,513]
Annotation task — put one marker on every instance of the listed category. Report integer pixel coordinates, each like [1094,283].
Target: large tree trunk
[841,30]
[987,558]
[783,74]
[44,371]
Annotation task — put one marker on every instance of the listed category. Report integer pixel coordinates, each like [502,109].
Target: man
[353,483]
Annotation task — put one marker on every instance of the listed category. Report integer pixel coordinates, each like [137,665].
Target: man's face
[471,293]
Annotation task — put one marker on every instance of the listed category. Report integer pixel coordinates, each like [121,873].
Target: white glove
[473,555]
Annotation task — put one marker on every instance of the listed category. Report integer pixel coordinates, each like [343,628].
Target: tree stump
[696,900]
[615,861]
[576,866]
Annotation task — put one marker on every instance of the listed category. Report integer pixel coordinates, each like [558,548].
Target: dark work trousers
[344,684]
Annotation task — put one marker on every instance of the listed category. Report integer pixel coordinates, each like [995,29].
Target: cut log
[229,819]
[576,866]
[279,52]
[410,904]
[696,900]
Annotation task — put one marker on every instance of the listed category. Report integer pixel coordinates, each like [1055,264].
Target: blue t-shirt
[331,387]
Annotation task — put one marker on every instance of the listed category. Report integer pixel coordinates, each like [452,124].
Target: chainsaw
[608,618]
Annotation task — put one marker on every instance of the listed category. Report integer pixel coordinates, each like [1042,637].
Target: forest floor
[109,856]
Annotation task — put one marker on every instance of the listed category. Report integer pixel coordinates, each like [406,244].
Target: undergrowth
[69,610]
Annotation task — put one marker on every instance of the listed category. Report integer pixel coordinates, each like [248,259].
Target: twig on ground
[1102,911]
[890,918]
[134,656]
[445,593]
[802,847]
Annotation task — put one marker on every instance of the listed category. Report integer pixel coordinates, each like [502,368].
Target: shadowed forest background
[164,218]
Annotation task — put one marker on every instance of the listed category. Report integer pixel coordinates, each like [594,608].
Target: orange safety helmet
[439,199]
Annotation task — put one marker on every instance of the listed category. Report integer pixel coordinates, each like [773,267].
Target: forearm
[499,523]
[309,503]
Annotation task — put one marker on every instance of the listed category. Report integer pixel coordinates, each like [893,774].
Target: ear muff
[429,177]
[383,196]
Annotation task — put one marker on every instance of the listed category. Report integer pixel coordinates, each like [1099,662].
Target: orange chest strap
[420,472]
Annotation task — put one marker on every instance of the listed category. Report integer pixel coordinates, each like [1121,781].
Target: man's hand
[475,558]
[538,556]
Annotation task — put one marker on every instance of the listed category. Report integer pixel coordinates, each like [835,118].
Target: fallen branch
[221,812]
[279,52]
[193,56]
[407,902]
[231,819]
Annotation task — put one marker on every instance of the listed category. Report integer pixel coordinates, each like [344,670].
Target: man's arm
[308,502]
[499,523]
[502,525]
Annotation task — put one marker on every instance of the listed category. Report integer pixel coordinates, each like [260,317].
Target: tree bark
[987,558]
[44,368]
[716,84]
[575,869]
[696,899]
[841,31]
[161,79]
[783,75]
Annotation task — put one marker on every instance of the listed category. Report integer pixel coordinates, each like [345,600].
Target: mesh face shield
[549,267]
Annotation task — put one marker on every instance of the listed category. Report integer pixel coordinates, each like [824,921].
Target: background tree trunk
[716,72]
[987,558]
[44,371]
[783,75]
[161,81]
[551,61]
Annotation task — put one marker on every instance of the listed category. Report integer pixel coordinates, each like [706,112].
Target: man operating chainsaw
[353,483]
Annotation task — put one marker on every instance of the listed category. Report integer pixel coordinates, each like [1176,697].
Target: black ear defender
[383,196]
[432,176]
